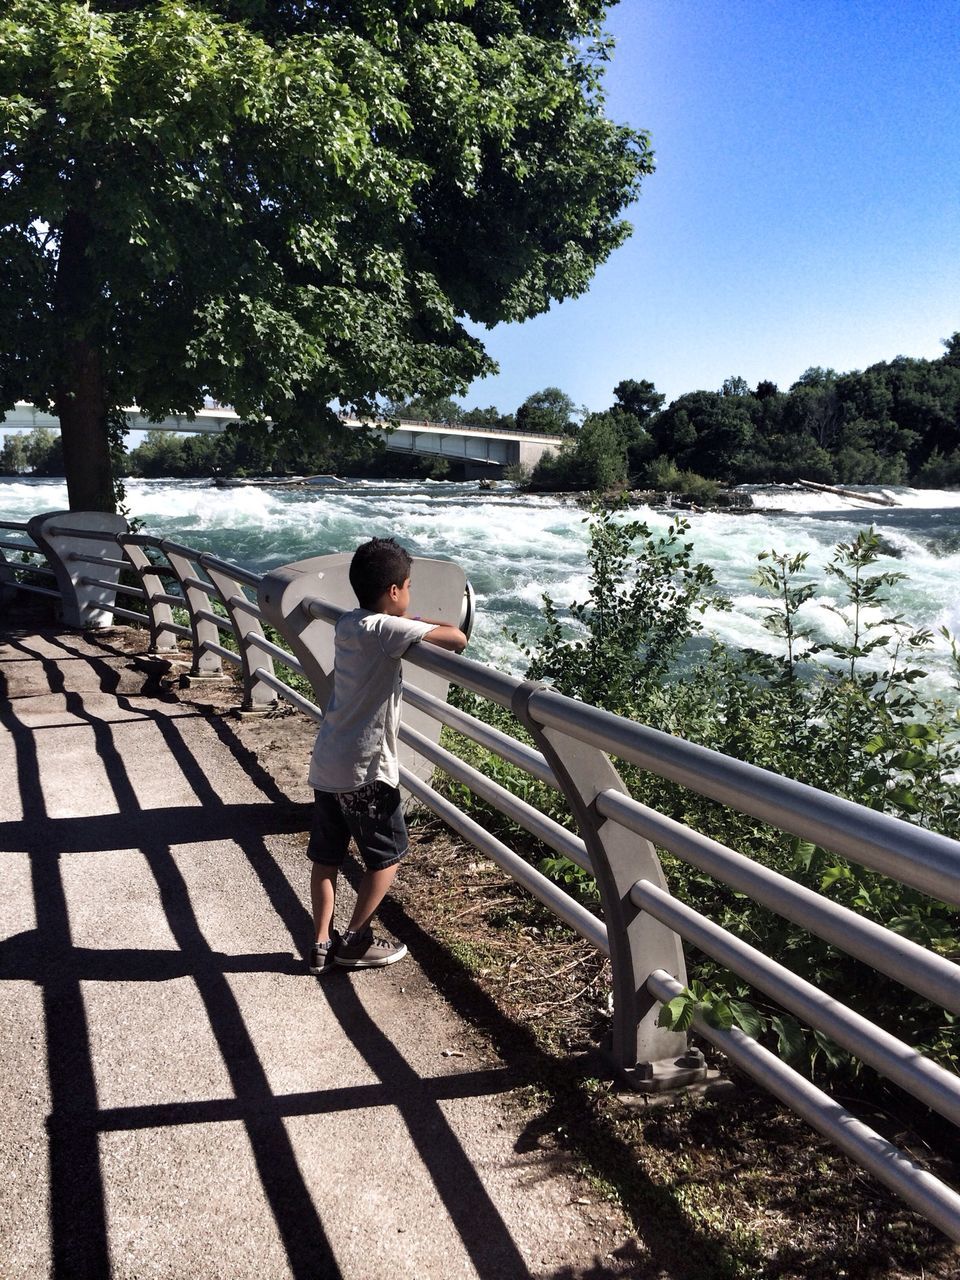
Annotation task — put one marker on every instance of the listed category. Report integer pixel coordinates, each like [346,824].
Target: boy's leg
[376,821]
[329,837]
[371,891]
[323,892]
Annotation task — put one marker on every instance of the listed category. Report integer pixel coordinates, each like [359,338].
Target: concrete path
[179,1097]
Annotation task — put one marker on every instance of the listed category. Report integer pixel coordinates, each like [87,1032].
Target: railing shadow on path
[78,1216]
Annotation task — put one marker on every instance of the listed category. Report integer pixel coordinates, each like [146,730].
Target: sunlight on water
[516,547]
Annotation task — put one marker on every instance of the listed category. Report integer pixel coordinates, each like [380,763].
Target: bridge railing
[644,927]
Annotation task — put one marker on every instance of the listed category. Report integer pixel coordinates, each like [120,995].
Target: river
[514,547]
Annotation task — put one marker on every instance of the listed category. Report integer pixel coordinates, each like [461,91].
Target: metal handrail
[38,591]
[923,859]
[545,829]
[223,652]
[275,651]
[290,695]
[207,587]
[891,953]
[75,557]
[90,535]
[484,735]
[242,575]
[217,619]
[40,569]
[930,1083]
[129,613]
[560,903]
[118,587]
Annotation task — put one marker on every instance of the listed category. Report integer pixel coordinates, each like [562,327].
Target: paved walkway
[179,1098]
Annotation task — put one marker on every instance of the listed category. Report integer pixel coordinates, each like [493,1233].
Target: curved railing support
[258,697]
[163,639]
[8,580]
[651,1058]
[206,661]
[82,604]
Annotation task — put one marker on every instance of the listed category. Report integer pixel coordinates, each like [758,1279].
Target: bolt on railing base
[257,712]
[664,1074]
[715,1087]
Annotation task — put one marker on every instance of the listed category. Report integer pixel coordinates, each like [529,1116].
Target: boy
[354,769]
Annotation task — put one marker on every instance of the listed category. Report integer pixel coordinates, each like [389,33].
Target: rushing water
[514,547]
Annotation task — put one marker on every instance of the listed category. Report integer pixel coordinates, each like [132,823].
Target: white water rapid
[515,547]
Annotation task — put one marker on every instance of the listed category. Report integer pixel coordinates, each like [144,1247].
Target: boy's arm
[445,636]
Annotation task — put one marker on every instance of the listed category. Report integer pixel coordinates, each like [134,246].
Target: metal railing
[644,926]
[18,573]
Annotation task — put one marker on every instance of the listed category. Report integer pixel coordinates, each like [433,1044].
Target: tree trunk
[81,400]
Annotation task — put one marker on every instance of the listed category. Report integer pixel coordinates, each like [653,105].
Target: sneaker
[322,954]
[364,951]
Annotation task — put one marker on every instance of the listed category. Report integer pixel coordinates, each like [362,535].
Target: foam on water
[516,547]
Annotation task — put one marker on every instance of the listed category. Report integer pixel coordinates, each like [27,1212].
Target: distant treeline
[897,422]
[894,423]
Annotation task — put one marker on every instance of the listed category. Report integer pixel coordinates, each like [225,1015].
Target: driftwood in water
[880,501]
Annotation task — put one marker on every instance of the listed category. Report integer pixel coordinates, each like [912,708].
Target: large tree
[549,412]
[283,204]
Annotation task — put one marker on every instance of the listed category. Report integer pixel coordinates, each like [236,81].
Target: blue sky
[805,209]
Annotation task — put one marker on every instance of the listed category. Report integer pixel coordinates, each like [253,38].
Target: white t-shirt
[357,742]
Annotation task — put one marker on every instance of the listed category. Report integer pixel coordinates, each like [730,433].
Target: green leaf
[720,1014]
[920,732]
[830,1050]
[837,872]
[803,852]
[904,799]
[677,1014]
[746,1017]
[791,1043]
[910,760]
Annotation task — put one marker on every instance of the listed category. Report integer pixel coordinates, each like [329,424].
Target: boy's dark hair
[377,566]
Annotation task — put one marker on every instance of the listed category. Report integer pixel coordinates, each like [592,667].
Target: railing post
[81,604]
[8,580]
[258,697]
[206,664]
[649,1057]
[163,641]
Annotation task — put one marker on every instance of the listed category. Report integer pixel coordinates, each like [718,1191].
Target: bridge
[186,1104]
[484,451]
